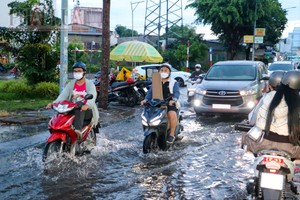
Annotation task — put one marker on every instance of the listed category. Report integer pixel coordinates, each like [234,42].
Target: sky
[121,13]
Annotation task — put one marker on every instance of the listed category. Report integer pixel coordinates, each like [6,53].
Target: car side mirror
[265,77]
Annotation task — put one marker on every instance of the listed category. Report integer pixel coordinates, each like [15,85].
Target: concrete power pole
[103,97]
[63,69]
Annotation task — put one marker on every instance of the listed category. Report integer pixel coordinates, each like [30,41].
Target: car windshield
[232,72]
[284,67]
[173,69]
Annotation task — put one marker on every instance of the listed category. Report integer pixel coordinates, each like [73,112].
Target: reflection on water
[206,164]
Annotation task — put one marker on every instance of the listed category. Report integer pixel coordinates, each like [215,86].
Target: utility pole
[254,27]
[63,69]
[132,10]
[103,97]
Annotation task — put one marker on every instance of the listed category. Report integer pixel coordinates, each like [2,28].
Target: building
[290,46]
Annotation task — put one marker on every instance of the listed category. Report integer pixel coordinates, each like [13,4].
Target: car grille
[230,97]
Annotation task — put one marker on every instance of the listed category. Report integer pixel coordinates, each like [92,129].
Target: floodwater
[207,163]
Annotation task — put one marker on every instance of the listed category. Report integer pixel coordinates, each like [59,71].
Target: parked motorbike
[155,125]
[192,86]
[63,138]
[128,92]
[274,172]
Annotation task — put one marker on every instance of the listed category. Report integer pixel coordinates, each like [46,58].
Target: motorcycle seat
[118,84]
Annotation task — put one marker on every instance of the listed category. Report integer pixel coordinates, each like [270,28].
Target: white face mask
[78,75]
[164,75]
[197,69]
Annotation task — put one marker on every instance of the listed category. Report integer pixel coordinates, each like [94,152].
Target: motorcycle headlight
[144,120]
[191,89]
[248,92]
[155,123]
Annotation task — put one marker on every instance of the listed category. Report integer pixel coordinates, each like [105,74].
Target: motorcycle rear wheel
[149,143]
[51,148]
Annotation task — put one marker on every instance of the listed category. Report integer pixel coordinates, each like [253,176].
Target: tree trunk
[103,97]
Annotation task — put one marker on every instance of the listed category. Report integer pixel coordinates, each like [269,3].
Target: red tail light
[269,159]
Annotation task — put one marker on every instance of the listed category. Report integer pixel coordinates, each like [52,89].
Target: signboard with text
[248,38]
[260,32]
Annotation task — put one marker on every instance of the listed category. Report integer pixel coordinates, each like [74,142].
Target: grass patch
[16,95]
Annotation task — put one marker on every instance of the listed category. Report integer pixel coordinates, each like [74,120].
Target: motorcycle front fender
[149,131]
[57,136]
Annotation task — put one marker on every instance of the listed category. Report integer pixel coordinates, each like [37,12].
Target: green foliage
[231,20]
[123,31]
[18,89]
[35,47]
[91,59]
[46,90]
[176,50]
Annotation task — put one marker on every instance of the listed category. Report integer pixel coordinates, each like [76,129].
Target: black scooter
[155,125]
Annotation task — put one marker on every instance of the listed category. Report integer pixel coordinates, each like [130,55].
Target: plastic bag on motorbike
[256,134]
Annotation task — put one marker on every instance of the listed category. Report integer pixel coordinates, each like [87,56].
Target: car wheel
[180,81]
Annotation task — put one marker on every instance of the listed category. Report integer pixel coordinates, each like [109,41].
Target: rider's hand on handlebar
[49,106]
[172,103]
[143,102]
[84,107]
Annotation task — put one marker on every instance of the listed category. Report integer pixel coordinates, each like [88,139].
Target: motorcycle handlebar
[242,127]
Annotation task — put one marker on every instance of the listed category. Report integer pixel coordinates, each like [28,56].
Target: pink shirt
[79,91]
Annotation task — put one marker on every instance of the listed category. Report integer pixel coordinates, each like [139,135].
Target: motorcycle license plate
[221,106]
[271,181]
[135,88]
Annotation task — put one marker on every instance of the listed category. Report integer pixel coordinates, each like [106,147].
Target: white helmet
[197,66]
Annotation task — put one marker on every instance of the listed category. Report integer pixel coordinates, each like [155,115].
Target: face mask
[197,69]
[78,75]
[164,75]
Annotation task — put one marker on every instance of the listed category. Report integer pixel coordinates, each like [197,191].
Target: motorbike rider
[170,91]
[197,72]
[273,84]
[75,91]
[278,117]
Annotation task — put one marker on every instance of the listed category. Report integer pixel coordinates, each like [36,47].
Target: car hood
[226,85]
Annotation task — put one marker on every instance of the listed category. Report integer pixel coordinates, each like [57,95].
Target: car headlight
[250,104]
[248,92]
[201,91]
[197,102]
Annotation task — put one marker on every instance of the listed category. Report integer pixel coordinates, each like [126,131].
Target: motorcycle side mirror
[88,96]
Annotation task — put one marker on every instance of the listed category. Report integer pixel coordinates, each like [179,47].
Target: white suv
[180,76]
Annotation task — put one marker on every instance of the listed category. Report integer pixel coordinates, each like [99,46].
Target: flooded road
[206,164]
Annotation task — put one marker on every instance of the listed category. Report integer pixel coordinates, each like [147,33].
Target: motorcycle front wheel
[51,148]
[149,143]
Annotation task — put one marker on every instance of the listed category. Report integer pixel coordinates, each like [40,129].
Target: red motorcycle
[63,138]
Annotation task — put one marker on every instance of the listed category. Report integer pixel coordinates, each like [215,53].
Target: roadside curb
[109,116]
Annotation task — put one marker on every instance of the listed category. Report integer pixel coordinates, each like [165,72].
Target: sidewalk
[113,114]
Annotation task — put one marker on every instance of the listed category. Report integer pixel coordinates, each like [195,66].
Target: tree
[123,31]
[177,48]
[231,20]
[34,42]
[103,101]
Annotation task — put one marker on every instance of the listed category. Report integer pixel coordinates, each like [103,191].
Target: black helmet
[275,78]
[167,65]
[79,65]
[291,79]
